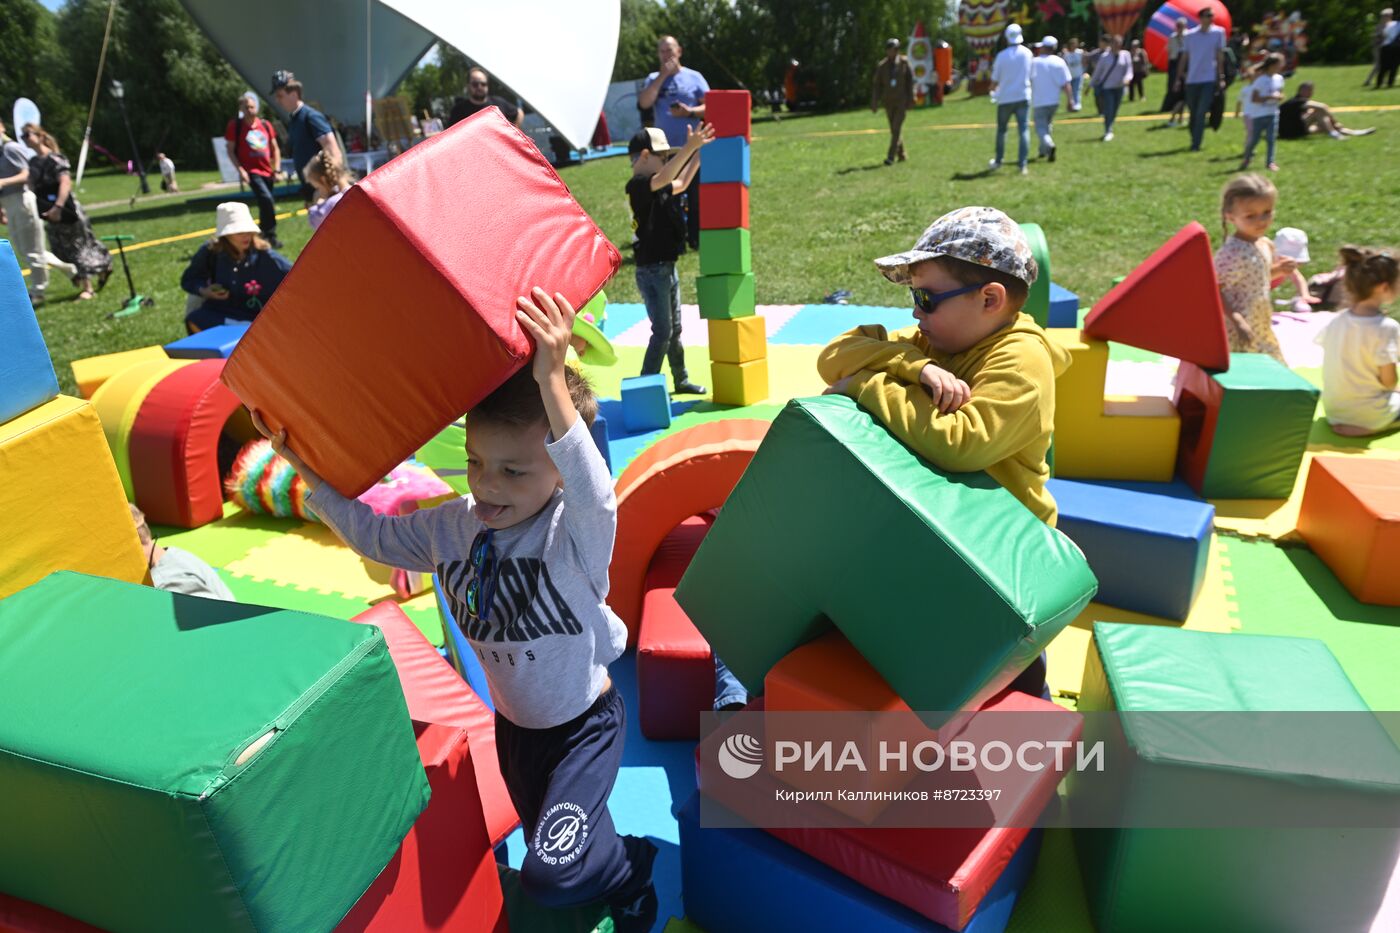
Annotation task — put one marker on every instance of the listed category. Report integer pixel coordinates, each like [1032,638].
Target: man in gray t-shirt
[20,212]
[1201,71]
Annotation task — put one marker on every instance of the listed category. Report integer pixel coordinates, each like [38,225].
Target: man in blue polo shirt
[676,95]
[308,130]
[1201,72]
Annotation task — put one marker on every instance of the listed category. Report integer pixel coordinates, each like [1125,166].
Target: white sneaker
[1108,137]
[993,165]
[1025,170]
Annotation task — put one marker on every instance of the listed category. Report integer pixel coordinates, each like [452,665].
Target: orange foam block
[400,313]
[1170,304]
[683,474]
[1350,517]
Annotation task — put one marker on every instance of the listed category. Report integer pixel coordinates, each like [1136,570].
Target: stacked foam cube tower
[725,288]
[61,498]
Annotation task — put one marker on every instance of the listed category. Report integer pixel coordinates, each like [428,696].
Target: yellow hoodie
[1003,429]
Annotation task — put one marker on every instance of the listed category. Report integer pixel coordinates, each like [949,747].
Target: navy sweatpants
[559,780]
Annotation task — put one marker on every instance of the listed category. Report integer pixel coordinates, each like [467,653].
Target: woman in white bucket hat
[232,276]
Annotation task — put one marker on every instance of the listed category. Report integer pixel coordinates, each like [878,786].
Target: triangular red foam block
[1170,304]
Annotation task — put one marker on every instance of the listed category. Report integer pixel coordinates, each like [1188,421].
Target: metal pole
[135,153]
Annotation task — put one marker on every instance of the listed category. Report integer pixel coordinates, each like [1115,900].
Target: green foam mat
[268,593]
[1053,900]
[1289,591]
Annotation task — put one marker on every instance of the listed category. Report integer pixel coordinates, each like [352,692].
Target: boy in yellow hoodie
[972,387]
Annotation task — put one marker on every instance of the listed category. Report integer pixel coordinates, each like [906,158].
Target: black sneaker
[689,388]
[638,915]
[272,240]
[1051,156]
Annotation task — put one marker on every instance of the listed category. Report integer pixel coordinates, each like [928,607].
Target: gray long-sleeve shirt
[548,635]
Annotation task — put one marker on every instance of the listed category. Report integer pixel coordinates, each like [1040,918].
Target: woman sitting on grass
[234,274]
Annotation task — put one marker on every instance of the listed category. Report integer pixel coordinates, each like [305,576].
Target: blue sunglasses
[484,567]
[928,302]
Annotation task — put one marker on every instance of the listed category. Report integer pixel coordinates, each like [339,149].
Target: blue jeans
[1199,97]
[661,291]
[1076,88]
[1110,99]
[1044,119]
[261,186]
[1266,126]
[727,687]
[1004,111]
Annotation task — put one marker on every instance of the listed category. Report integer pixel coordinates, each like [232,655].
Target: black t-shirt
[1290,119]
[463,108]
[660,227]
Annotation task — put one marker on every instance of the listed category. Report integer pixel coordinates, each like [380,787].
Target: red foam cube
[675,667]
[726,205]
[729,112]
[1170,304]
[400,313]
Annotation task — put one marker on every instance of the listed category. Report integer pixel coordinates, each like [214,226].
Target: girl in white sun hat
[1292,243]
[234,274]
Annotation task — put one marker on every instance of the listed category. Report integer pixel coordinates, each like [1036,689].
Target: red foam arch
[681,475]
[175,444]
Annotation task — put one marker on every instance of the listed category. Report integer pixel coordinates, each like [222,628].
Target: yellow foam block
[61,500]
[90,373]
[1079,389]
[1133,438]
[119,399]
[740,383]
[740,340]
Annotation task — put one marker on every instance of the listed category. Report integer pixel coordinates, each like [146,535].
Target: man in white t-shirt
[1050,77]
[1011,83]
[1201,72]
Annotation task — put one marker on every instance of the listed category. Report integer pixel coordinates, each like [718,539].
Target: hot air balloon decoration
[1118,16]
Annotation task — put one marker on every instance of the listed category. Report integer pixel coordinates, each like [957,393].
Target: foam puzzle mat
[1254,583]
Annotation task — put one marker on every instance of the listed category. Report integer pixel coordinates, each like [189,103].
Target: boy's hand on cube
[550,321]
[279,445]
[948,392]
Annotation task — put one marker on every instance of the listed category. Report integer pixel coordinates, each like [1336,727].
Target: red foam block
[1170,304]
[941,873]
[443,877]
[675,667]
[400,313]
[681,475]
[174,446]
[726,205]
[436,694]
[729,112]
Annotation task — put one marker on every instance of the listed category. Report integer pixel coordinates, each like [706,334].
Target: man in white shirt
[1202,71]
[1389,61]
[1011,83]
[1050,77]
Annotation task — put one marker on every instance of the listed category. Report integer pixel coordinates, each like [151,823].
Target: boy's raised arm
[870,347]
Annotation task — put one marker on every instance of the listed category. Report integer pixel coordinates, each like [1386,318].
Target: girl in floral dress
[1246,263]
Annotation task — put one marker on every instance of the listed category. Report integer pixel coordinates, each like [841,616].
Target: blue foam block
[460,652]
[739,880]
[818,325]
[27,378]
[1148,551]
[646,405]
[725,159]
[1064,307]
[599,432]
[212,344]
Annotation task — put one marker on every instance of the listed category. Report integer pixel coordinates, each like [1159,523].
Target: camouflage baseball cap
[983,236]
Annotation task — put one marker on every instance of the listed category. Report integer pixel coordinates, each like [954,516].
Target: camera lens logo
[740,756]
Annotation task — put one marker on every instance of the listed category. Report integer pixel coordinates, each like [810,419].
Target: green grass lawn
[823,205]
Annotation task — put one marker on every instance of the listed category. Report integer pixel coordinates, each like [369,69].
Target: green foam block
[1038,301]
[725,252]
[945,583]
[125,805]
[725,296]
[1266,877]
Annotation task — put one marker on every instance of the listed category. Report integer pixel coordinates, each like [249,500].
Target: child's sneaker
[638,915]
